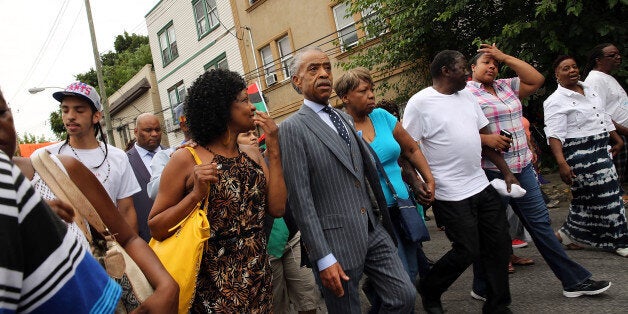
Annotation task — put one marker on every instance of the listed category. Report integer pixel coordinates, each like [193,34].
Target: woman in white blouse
[578,131]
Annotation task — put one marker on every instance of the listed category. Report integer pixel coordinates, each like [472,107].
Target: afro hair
[208,104]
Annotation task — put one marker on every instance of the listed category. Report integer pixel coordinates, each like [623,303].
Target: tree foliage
[132,52]
[56,124]
[535,31]
[29,138]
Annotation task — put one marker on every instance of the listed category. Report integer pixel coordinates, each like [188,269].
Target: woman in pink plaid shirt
[500,102]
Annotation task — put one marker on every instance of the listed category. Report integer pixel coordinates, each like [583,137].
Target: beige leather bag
[105,248]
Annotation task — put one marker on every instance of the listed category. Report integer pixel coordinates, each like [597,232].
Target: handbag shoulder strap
[194,155]
[65,189]
[202,203]
[382,172]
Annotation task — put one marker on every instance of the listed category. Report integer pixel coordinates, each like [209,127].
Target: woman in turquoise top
[389,140]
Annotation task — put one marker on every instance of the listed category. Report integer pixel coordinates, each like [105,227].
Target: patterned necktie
[335,119]
[150,154]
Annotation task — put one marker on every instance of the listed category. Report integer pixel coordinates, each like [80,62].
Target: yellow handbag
[181,253]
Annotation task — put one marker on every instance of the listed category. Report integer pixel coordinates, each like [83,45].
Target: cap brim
[62,94]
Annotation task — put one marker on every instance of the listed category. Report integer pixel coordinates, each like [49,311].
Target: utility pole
[101,82]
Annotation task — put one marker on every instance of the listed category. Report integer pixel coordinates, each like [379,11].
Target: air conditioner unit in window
[271,79]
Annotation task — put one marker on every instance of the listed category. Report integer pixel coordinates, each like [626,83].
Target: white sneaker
[477,296]
[622,252]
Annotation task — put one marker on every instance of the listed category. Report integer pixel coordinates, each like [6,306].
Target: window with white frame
[345,24]
[176,95]
[206,16]
[267,60]
[285,54]
[168,44]
[371,18]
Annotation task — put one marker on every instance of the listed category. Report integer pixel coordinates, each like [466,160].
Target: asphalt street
[535,289]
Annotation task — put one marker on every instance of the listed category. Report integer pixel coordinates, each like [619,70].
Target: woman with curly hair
[234,274]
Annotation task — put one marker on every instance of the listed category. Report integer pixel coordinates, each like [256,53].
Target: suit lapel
[138,165]
[328,137]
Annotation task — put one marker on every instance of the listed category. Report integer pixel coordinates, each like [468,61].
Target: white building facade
[188,38]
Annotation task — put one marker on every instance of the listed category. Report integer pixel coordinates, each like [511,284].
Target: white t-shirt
[447,127]
[613,94]
[115,174]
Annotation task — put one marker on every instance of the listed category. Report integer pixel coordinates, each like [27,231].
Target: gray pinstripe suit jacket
[327,188]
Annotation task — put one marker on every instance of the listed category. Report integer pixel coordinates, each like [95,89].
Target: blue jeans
[533,214]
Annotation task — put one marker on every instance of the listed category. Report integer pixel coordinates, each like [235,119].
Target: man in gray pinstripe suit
[335,197]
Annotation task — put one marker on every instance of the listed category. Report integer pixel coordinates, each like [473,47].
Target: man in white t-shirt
[81,114]
[446,118]
[603,60]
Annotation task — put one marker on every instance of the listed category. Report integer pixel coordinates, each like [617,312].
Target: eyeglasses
[612,55]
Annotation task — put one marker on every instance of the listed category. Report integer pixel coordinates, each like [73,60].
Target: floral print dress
[235,275]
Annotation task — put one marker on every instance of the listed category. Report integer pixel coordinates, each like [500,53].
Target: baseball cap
[82,90]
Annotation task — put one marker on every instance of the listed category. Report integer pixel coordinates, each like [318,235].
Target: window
[124,133]
[285,53]
[168,44]
[219,62]
[176,95]
[370,18]
[346,24]
[267,60]
[347,33]
[206,16]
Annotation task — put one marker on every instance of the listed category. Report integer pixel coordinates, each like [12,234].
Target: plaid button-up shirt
[504,112]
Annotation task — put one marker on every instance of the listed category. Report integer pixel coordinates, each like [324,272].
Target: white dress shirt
[569,114]
[614,95]
[146,156]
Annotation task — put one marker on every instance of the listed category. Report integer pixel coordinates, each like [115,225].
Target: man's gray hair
[297,60]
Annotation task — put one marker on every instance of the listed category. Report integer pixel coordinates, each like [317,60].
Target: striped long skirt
[596,214]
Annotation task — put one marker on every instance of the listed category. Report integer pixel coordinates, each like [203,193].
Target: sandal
[564,239]
[521,261]
[511,269]
[573,246]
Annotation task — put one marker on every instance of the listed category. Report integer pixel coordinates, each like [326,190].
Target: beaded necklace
[94,169]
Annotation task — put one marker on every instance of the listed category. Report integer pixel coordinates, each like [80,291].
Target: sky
[45,43]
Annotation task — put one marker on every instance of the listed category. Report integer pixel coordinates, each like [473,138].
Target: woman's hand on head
[492,51]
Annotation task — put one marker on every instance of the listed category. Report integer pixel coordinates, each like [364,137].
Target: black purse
[412,225]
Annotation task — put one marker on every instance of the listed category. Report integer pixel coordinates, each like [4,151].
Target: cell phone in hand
[506,134]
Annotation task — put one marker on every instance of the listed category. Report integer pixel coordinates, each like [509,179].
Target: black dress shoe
[431,305]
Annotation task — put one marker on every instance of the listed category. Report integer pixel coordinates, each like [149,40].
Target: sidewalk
[535,289]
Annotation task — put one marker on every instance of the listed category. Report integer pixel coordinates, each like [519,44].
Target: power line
[63,45]
[256,73]
[44,47]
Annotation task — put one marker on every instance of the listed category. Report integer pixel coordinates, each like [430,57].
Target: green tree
[132,52]
[29,138]
[535,31]
[56,125]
